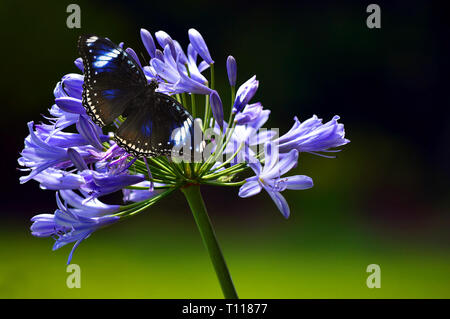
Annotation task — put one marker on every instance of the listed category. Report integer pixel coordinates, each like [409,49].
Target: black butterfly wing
[156,128]
[112,78]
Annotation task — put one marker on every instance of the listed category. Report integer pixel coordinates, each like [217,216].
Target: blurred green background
[384,200]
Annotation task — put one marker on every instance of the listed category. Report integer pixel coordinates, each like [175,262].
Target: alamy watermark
[243,146]
[74,279]
[373,21]
[374,279]
[73,21]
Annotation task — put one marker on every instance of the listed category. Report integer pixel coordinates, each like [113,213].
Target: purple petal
[298,182]
[203,66]
[194,71]
[159,55]
[217,109]
[250,113]
[133,54]
[271,157]
[70,105]
[281,202]
[231,70]
[179,52]
[313,136]
[245,93]
[76,159]
[199,45]
[254,164]
[187,84]
[262,137]
[72,84]
[86,128]
[86,235]
[55,179]
[94,208]
[286,163]
[148,42]
[164,39]
[165,71]
[249,189]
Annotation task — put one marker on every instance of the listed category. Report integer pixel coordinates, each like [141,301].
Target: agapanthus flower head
[73,156]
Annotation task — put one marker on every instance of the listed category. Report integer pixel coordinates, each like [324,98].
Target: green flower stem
[146,188]
[155,171]
[136,208]
[184,100]
[233,97]
[161,162]
[198,208]
[207,118]
[233,184]
[193,106]
[211,66]
[238,168]
[231,158]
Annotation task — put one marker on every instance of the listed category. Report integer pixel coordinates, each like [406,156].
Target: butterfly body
[154,114]
[115,85]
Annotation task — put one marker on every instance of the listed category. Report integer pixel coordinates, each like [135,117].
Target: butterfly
[115,85]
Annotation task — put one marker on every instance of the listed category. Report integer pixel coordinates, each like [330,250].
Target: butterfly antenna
[149,175]
[144,58]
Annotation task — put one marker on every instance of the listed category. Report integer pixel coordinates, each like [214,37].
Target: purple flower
[165,40]
[72,85]
[68,101]
[245,93]
[199,45]
[217,109]
[269,177]
[56,179]
[176,77]
[231,70]
[187,84]
[39,154]
[75,224]
[312,136]
[176,71]
[194,69]
[91,208]
[148,42]
[253,115]
[97,184]
[55,137]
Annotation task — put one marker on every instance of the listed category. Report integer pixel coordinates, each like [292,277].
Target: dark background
[387,190]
